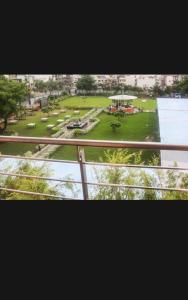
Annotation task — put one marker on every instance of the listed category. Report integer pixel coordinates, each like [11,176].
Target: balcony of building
[82,169]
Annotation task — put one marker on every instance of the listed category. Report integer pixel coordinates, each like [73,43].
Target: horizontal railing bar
[137,187]
[30,193]
[39,177]
[94,163]
[98,184]
[38,194]
[135,166]
[90,183]
[95,143]
[39,159]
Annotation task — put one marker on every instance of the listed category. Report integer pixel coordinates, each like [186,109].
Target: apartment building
[140,80]
[21,78]
[30,78]
[148,81]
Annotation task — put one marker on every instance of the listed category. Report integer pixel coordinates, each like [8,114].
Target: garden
[138,127]
[97,101]
[40,130]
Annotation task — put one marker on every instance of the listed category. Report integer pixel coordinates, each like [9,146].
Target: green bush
[55,129]
[75,118]
[92,120]
[77,132]
[115,125]
[10,132]
[28,154]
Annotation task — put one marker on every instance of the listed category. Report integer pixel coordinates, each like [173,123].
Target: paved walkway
[149,110]
[67,134]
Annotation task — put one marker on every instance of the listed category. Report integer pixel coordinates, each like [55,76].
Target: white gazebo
[121,99]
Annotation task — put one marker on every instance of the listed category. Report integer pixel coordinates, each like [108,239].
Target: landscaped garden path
[67,134]
[134,128]
[40,130]
[84,105]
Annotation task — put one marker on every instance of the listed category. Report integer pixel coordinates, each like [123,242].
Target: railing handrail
[79,143]
[95,143]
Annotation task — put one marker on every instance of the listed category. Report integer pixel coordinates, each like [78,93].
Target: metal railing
[80,144]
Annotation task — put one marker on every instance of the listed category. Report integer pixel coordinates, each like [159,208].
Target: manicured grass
[97,101]
[39,131]
[99,133]
[86,101]
[134,128]
[149,104]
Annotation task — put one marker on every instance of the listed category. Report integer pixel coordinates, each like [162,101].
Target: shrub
[75,118]
[115,125]
[55,129]
[28,154]
[10,132]
[77,132]
[28,184]
[92,120]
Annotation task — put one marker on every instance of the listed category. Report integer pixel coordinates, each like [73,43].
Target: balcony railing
[80,144]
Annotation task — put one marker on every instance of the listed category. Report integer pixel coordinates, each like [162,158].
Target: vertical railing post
[81,160]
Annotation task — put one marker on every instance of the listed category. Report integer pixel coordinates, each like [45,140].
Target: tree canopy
[182,86]
[40,86]
[12,94]
[27,184]
[86,82]
[133,176]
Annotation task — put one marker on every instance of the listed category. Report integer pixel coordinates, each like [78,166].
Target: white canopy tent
[121,99]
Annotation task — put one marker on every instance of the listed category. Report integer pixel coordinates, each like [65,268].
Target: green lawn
[149,104]
[97,101]
[39,131]
[134,128]
[131,129]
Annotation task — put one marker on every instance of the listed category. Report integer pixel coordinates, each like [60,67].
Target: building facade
[142,81]
[30,78]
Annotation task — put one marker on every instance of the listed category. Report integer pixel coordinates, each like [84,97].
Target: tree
[27,184]
[12,94]
[47,110]
[30,184]
[60,86]
[116,87]
[52,85]
[86,83]
[52,104]
[67,82]
[115,125]
[120,115]
[156,90]
[2,77]
[40,86]
[168,90]
[105,87]
[182,86]
[138,177]
[115,175]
